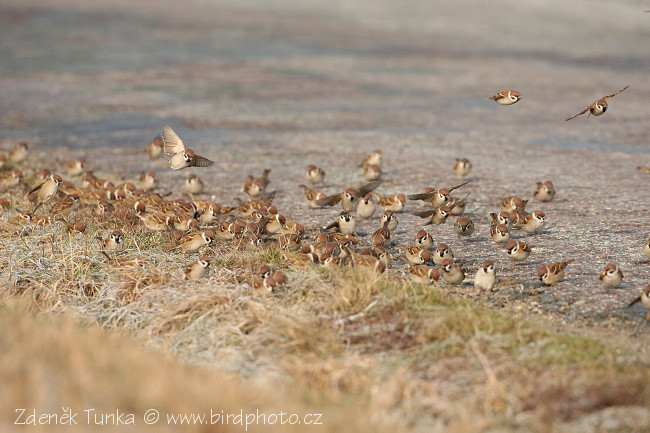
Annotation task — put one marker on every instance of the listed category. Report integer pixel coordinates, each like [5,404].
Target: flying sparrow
[512,203]
[644,298]
[114,241]
[314,174]
[46,189]
[155,148]
[507,97]
[599,107]
[198,269]
[393,202]
[366,207]
[388,220]
[417,255]
[517,251]
[456,205]
[646,249]
[75,167]
[371,172]
[311,195]
[544,191]
[464,226]
[181,156]
[440,214]
[533,223]
[500,233]
[486,276]
[423,274]
[611,277]
[452,273]
[423,240]
[441,253]
[374,158]
[646,169]
[256,186]
[552,273]
[19,153]
[437,198]
[349,198]
[345,222]
[193,242]
[462,167]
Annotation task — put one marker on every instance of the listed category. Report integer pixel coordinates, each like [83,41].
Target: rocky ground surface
[284,84]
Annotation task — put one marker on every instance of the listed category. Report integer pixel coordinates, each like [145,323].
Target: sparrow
[75,167]
[646,169]
[193,242]
[374,158]
[3,160]
[440,214]
[23,219]
[598,107]
[417,255]
[452,273]
[462,167]
[314,174]
[311,195]
[210,214]
[73,228]
[456,206]
[183,222]
[512,203]
[148,181]
[155,148]
[506,97]
[388,220]
[193,185]
[423,239]
[331,261]
[366,207]
[19,153]
[464,226]
[423,274]
[181,156]
[113,242]
[437,198]
[486,276]
[267,284]
[46,189]
[544,192]
[65,206]
[502,217]
[552,273]
[441,253]
[371,172]
[345,222]
[289,242]
[517,217]
[275,224]
[393,202]
[349,198]
[365,261]
[517,251]
[381,236]
[256,186]
[292,227]
[301,260]
[611,277]
[153,221]
[646,249]
[534,223]
[11,178]
[644,298]
[198,269]
[500,233]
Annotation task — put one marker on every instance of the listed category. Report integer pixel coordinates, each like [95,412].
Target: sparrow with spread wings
[599,107]
[181,156]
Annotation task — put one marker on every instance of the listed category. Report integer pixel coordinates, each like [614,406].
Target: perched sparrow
[153,221]
[300,260]
[417,255]
[393,202]
[183,222]
[373,158]
[155,148]
[345,223]
[423,240]
[544,191]
[507,97]
[611,277]
[268,283]
[148,181]
[314,174]
[289,242]
[19,153]
[462,167]
[256,186]
[646,249]
[423,274]
[193,185]
[275,224]
[366,207]
[66,205]
[311,195]
[437,198]
[517,251]
[512,203]
[75,167]
[452,273]
[331,261]
[644,298]
[198,269]
[46,189]
[23,219]
[114,241]
[502,217]
[195,241]
[365,261]
[464,226]
[441,253]
[456,206]
[599,107]
[517,217]
[72,228]
[533,223]
[500,233]
[486,276]
[381,236]
[349,198]
[181,156]
[552,273]
[210,214]
[371,172]
[388,220]
[292,227]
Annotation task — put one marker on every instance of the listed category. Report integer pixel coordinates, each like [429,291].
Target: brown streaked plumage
[506,97]
[544,191]
[437,198]
[349,198]
[611,276]
[181,156]
[598,107]
[552,273]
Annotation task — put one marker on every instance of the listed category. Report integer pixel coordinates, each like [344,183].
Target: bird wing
[424,213]
[615,93]
[328,201]
[581,112]
[172,142]
[421,196]
[369,187]
[199,161]
[458,186]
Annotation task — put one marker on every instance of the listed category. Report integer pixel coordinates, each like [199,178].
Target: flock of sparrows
[193,226]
